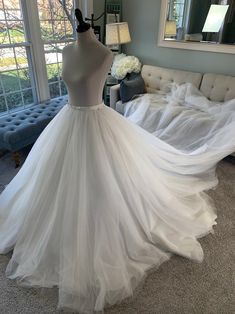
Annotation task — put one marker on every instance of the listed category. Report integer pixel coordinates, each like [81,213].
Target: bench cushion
[22,128]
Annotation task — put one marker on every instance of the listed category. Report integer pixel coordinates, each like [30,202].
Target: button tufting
[18,122]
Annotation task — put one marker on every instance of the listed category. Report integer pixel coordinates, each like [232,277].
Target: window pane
[46,31]
[3,107]
[52,72]
[70,32]
[28,97]
[16,31]
[13,14]
[60,71]
[57,19]
[11,4]
[10,81]
[4,33]
[59,29]
[63,88]
[50,53]
[1,85]
[54,90]
[59,51]
[14,100]
[7,59]
[21,57]
[24,78]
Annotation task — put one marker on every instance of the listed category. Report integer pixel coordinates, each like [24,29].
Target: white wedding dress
[97,203]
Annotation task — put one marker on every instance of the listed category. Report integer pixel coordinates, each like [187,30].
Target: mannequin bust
[86,64]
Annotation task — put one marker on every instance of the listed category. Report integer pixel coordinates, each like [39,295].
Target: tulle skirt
[97,203]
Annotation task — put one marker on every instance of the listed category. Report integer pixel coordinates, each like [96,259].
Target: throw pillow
[130,86]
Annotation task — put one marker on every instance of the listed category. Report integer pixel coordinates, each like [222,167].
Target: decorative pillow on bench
[132,85]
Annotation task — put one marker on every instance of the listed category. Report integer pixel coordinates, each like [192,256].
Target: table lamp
[117,34]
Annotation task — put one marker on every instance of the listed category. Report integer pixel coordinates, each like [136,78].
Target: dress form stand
[86,64]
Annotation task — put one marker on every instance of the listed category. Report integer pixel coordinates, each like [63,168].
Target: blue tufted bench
[20,129]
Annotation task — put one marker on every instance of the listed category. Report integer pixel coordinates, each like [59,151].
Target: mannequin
[86,64]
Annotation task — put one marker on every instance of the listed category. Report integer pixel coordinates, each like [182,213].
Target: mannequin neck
[86,36]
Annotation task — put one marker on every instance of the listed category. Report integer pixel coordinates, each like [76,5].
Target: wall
[143,18]
[99,6]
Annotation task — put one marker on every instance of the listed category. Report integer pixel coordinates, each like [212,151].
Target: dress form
[86,64]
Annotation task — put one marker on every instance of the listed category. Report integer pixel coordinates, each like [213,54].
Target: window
[17,87]
[176,12]
[32,36]
[57,23]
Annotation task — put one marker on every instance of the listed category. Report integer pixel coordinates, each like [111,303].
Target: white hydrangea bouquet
[123,64]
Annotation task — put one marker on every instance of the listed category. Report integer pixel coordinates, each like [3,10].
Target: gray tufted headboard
[157,78]
[218,87]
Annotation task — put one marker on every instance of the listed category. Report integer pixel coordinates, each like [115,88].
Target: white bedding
[187,120]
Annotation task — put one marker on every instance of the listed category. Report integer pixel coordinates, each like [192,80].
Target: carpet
[179,286]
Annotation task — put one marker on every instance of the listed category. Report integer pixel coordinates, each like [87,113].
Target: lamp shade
[170,28]
[117,33]
[215,18]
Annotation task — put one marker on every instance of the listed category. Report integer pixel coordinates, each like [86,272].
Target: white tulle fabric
[97,203]
[187,120]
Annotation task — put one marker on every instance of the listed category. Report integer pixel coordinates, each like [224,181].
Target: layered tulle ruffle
[97,203]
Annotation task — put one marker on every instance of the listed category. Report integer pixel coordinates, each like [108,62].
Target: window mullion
[33,35]
[86,7]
